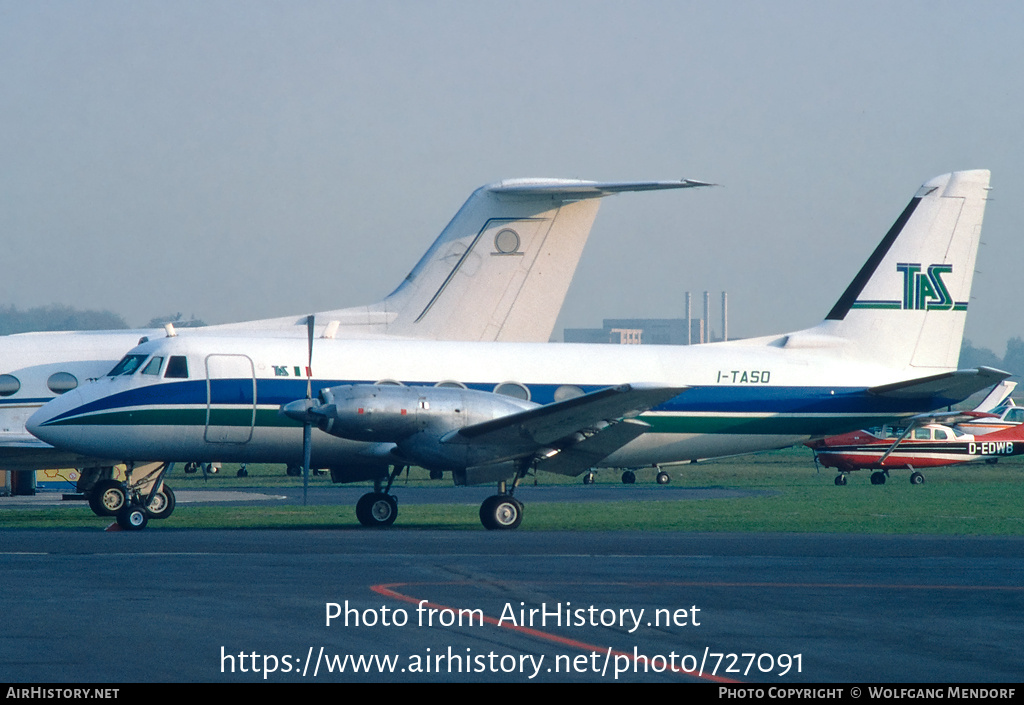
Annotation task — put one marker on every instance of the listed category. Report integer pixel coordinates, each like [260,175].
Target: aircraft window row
[9,384]
[60,382]
[177,366]
[509,389]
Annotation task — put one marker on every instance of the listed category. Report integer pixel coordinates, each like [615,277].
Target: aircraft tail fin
[502,267]
[499,271]
[907,306]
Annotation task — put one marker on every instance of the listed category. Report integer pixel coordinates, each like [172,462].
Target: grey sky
[239,160]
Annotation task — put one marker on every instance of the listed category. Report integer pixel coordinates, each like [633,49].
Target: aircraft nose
[43,423]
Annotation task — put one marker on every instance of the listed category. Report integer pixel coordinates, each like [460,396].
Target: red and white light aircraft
[991,431]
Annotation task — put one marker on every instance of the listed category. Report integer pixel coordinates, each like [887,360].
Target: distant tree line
[58,317]
[1012,361]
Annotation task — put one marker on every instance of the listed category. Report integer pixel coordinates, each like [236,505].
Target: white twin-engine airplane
[491,412]
[499,271]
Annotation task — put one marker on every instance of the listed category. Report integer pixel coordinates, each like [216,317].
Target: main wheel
[107,498]
[376,509]
[588,479]
[628,477]
[878,478]
[132,517]
[161,503]
[916,478]
[501,512]
[664,478]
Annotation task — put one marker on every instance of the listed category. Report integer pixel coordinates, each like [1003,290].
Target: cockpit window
[127,366]
[153,366]
[177,367]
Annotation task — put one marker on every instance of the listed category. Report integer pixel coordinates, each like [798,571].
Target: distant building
[639,331]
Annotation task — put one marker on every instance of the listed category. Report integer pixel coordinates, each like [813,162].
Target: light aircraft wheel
[878,478]
[293,471]
[664,478]
[132,517]
[107,498]
[588,479]
[376,509]
[501,512]
[628,477]
[840,480]
[161,503]
[916,478]
[191,468]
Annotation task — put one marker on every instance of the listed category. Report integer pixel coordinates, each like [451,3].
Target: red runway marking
[387,591]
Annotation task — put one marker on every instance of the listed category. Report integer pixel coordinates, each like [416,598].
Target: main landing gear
[879,477]
[379,508]
[502,511]
[141,497]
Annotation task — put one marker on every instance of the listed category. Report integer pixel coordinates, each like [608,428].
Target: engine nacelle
[390,413]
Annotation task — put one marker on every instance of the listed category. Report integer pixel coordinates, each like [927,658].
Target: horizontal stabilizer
[547,424]
[582,456]
[948,385]
[571,188]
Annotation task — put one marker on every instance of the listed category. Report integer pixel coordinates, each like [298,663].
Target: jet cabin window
[127,366]
[177,367]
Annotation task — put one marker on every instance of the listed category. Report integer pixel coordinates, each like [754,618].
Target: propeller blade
[307,427]
[307,448]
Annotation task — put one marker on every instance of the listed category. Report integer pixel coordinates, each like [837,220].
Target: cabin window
[127,366]
[153,366]
[941,435]
[922,434]
[60,382]
[1015,415]
[177,367]
[514,390]
[9,384]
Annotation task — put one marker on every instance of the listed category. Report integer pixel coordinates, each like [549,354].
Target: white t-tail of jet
[494,411]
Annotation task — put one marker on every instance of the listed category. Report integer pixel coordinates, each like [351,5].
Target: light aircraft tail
[907,306]
[499,271]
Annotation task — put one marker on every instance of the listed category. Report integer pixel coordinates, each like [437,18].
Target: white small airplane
[492,412]
[499,271]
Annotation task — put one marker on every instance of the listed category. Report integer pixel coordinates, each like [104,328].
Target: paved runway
[169,606]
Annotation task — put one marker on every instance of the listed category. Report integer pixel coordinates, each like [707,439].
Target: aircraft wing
[959,384]
[548,424]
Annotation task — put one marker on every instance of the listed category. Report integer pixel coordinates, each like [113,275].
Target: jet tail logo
[923,290]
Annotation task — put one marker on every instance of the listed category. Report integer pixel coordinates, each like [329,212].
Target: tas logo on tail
[923,290]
